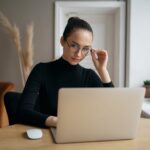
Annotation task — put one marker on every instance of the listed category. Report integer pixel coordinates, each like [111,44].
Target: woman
[39,99]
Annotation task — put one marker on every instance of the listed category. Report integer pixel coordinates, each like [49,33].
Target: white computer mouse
[34,133]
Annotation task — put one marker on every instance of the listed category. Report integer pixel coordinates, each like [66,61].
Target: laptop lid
[98,114]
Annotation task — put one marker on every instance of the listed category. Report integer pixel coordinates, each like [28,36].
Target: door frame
[118,7]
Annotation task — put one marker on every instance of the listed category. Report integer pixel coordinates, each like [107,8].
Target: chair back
[11,100]
[4,88]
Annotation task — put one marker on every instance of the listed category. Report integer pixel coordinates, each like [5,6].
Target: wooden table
[14,138]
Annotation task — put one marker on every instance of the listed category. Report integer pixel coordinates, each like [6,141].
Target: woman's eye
[74,46]
[86,49]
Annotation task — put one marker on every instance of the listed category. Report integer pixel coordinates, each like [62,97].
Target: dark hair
[76,23]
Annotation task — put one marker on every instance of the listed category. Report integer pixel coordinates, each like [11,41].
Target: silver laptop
[98,114]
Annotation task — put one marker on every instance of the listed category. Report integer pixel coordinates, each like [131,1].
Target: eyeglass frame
[78,48]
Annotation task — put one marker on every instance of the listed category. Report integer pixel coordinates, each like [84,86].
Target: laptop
[98,114]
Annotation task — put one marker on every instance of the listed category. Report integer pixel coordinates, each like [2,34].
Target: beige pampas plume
[25,55]
[16,37]
[12,31]
[28,50]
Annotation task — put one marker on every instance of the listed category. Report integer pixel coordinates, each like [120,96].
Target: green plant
[147,82]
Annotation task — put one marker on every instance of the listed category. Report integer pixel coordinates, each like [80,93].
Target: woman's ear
[62,41]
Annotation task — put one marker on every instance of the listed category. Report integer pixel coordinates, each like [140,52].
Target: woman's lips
[76,59]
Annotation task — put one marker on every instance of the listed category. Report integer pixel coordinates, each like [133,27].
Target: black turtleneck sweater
[39,97]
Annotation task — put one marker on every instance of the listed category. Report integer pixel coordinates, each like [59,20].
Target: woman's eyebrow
[79,44]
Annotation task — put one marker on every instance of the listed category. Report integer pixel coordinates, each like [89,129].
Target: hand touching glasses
[100,60]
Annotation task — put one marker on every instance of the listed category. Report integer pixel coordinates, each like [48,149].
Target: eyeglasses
[76,48]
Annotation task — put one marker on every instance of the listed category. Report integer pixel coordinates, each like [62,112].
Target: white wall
[138,42]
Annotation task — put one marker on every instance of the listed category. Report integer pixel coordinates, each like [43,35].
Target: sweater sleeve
[95,81]
[26,111]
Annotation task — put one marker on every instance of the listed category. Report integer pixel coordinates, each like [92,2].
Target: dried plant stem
[21,69]
[28,50]
[25,55]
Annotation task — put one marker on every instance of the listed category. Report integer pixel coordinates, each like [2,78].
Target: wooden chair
[4,88]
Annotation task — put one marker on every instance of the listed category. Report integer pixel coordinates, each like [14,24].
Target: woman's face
[76,46]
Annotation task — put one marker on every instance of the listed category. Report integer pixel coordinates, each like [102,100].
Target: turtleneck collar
[65,64]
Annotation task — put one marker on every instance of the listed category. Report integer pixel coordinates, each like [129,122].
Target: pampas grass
[25,54]
[28,50]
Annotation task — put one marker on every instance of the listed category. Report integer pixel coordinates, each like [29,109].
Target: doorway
[108,23]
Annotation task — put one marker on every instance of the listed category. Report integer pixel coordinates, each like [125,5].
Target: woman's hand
[51,121]
[100,60]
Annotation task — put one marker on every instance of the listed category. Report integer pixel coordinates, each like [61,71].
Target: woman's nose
[79,53]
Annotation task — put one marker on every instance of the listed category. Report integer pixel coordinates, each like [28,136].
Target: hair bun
[75,23]
[72,19]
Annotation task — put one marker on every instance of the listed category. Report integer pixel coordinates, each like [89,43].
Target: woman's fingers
[100,59]
[99,56]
